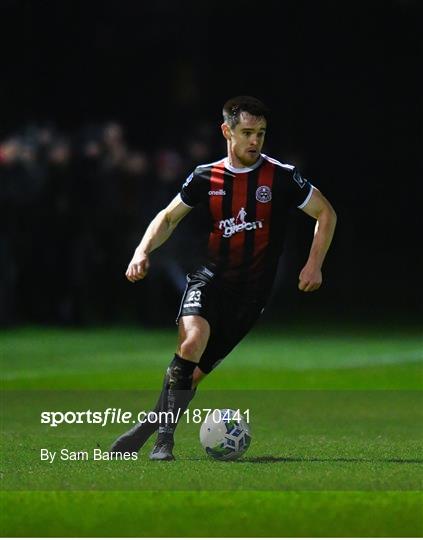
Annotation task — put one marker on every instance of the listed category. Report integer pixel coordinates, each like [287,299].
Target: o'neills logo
[233,225]
[217,192]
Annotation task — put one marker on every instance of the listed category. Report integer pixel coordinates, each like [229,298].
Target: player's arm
[156,234]
[319,208]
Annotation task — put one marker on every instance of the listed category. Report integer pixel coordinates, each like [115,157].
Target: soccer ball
[225,435]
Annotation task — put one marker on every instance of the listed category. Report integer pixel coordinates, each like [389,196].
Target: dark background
[341,80]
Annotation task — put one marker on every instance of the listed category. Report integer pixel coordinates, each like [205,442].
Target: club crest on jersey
[237,224]
[264,194]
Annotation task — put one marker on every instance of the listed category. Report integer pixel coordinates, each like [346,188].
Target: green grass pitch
[336,417]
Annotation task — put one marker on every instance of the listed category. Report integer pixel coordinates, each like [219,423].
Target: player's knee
[191,348]
[194,333]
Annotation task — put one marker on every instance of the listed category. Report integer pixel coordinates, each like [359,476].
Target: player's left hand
[310,279]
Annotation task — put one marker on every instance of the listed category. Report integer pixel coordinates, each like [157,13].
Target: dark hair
[235,106]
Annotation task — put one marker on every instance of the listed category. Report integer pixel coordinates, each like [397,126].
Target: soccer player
[247,197]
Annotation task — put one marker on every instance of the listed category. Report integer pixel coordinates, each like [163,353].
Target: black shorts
[229,315]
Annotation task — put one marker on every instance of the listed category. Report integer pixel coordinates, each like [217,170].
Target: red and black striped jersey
[248,209]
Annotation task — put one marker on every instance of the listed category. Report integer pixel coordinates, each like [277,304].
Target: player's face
[245,139]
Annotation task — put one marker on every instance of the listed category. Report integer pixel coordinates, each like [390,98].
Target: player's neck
[233,161]
[236,164]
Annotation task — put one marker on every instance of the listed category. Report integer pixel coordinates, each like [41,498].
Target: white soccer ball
[225,434]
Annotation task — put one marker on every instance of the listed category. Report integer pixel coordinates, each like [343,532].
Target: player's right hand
[138,268]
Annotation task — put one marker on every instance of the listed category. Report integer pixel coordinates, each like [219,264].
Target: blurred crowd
[73,207]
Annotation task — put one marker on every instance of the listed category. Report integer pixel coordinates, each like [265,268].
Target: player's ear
[226,131]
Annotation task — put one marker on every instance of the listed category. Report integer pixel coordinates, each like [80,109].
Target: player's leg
[195,310]
[197,345]
[183,376]
[193,334]
[197,376]
[135,438]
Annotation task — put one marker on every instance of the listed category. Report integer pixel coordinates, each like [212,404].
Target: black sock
[175,396]
[135,438]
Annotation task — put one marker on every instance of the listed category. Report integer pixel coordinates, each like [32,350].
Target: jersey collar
[242,169]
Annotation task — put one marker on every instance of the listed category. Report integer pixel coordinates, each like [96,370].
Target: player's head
[233,108]
[244,127]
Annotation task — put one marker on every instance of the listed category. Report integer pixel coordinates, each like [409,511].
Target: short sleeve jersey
[248,209]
